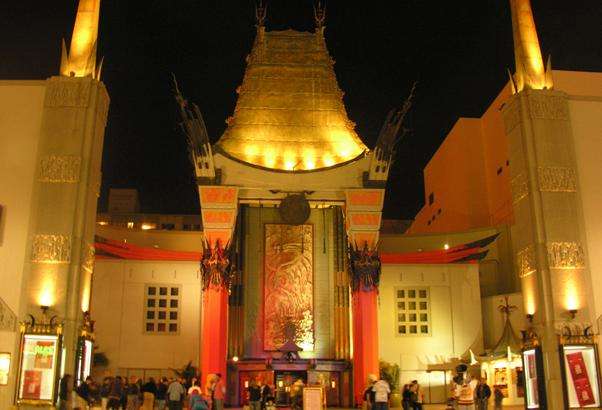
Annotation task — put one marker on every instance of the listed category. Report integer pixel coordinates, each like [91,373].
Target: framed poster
[580,376]
[4,368]
[313,398]
[535,393]
[39,367]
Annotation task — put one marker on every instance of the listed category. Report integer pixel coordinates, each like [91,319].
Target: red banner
[581,381]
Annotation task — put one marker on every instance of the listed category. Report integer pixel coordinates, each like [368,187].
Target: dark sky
[457,50]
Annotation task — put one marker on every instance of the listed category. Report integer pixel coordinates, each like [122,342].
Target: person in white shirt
[381,395]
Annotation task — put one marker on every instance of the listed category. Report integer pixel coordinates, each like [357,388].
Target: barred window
[413,311]
[162,309]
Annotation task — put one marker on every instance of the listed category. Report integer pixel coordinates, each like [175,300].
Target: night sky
[458,51]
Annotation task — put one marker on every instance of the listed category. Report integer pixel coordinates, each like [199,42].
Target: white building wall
[118,308]
[21,104]
[586,123]
[455,311]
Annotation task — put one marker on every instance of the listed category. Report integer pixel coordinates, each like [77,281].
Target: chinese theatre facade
[287,189]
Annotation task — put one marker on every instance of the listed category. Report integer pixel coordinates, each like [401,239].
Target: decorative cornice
[59,169]
[565,255]
[557,179]
[51,248]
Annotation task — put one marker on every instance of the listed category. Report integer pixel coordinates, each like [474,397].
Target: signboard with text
[39,364]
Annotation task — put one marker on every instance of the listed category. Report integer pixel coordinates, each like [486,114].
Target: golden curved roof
[290,113]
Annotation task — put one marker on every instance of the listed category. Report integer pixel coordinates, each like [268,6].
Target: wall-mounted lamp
[530,317]
[235,359]
[333,384]
[573,313]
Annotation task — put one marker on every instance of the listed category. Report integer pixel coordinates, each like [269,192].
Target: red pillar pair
[214,332]
[365,339]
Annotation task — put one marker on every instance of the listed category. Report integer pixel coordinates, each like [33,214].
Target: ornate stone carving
[67,92]
[216,269]
[520,188]
[59,169]
[546,106]
[525,261]
[565,255]
[51,248]
[88,253]
[8,320]
[364,268]
[557,179]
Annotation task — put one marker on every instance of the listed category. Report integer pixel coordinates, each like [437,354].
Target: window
[413,314]
[431,198]
[161,312]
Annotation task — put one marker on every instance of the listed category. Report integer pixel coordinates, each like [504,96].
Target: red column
[214,333]
[365,339]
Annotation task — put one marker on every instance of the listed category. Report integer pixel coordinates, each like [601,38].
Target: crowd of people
[120,393]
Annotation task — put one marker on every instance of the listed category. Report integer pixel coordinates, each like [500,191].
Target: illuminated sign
[39,361]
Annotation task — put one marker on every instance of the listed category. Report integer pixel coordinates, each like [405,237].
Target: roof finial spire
[260,13]
[80,61]
[530,70]
[319,16]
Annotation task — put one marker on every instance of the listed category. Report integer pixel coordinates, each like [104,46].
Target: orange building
[467,181]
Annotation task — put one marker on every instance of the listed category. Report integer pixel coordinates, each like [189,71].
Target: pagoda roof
[290,114]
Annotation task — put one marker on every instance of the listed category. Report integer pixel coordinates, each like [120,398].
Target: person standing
[498,397]
[381,395]
[482,394]
[219,393]
[65,393]
[133,394]
[175,395]
[466,394]
[254,395]
[368,396]
[161,395]
[105,390]
[114,402]
[149,391]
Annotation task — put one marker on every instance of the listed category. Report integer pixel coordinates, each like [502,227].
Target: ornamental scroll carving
[565,255]
[59,169]
[67,92]
[519,187]
[88,253]
[557,179]
[51,249]
[549,107]
[525,261]
[8,320]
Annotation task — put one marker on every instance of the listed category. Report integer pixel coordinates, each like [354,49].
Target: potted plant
[390,373]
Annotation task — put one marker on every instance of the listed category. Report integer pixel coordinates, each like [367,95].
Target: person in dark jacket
[65,389]
[133,394]
[161,395]
[482,394]
[116,394]
[406,397]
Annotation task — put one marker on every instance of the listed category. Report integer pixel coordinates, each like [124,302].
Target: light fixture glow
[130,225]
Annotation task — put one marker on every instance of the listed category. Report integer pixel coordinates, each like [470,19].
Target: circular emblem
[294,209]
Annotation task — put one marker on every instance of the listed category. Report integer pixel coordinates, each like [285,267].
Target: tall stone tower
[548,234]
[59,259]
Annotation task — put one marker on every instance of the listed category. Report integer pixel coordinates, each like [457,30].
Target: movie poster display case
[580,376]
[39,362]
[85,350]
[535,389]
